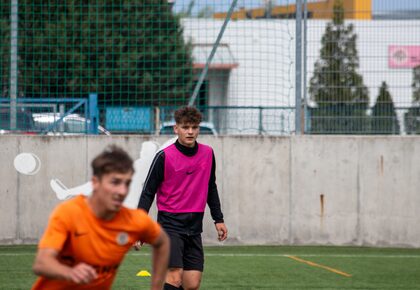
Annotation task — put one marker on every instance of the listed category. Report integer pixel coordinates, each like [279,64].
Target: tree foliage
[416,85]
[384,117]
[4,47]
[412,117]
[132,52]
[337,89]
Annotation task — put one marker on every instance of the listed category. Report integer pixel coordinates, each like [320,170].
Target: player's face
[111,190]
[187,133]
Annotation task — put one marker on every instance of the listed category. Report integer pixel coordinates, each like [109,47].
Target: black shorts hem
[194,269]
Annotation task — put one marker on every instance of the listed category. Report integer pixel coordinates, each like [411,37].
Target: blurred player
[87,237]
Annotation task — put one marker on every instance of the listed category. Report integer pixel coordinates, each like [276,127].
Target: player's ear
[95,181]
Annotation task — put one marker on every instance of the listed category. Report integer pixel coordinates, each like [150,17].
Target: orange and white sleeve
[149,229]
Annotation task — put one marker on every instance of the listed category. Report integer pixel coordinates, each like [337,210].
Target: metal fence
[236,60]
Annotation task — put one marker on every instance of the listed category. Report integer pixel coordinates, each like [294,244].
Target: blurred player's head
[112,173]
[187,127]
[112,159]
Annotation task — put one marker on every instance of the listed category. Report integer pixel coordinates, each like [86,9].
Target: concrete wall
[331,190]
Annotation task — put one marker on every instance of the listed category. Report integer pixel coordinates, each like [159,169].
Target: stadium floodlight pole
[213,52]
[13,61]
[298,67]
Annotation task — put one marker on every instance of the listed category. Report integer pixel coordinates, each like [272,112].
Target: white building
[261,67]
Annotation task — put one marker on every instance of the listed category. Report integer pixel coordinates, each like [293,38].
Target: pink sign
[403,56]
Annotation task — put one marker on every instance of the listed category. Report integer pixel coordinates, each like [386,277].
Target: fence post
[93,113]
[13,61]
[62,112]
[298,67]
[260,125]
[157,120]
[305,67]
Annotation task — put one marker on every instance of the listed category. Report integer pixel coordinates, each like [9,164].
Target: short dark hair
[112,159]
[188,114]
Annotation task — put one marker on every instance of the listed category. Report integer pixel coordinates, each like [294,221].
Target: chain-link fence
[361,72]
[142,59]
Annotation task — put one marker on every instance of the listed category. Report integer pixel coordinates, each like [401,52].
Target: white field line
[313,255]
[385,256]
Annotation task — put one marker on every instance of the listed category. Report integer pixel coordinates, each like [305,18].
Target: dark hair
[188,115]
[112,159]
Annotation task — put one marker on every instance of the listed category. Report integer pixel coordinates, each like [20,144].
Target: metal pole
[157,120]
[298,80]
[268,9]
[93,114]
[213,52]
[190,8]
[305,68]
[62,111]
[13,61]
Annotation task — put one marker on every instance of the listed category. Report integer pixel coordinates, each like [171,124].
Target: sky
[223,5]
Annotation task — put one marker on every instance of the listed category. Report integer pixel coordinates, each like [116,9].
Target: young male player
[87,237]
[183,177]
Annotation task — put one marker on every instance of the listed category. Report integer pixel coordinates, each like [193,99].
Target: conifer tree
[4,48]
[416,85]
[384,116]
[412,117]
[336,87]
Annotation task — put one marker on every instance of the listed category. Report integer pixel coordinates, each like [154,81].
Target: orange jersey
[79,236]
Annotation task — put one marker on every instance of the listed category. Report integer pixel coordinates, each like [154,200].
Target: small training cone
[143,273]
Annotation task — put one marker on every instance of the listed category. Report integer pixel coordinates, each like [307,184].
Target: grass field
[258,267]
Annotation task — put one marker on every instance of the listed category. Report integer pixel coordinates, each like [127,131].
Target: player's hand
[137,245]
[221,231]
[82,274]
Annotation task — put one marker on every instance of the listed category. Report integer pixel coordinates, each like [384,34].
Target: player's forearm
[51,268]
[160,262]
[213,202]
[146,200]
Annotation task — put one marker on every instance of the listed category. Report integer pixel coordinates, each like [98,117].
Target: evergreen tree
[412,117]
[416,85]
[384,117]
[132,53]
[337,89]
[4,48]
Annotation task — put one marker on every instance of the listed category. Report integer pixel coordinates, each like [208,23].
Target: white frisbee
[27,163]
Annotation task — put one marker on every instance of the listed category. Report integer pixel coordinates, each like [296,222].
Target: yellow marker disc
[143,273]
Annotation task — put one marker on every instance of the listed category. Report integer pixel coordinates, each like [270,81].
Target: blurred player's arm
[160,259]
[213,202]
[153,180]
[47,265]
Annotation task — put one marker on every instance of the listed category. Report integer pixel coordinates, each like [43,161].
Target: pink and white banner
[403,56]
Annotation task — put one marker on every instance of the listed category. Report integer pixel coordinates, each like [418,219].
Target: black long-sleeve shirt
[185,223]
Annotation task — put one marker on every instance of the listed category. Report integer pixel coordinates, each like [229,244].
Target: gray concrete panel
[9,206]
[61,157]
[270,187]
[256,186]
[324,190]
[390,199]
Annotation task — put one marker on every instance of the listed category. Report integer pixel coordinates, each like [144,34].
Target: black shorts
[186,252]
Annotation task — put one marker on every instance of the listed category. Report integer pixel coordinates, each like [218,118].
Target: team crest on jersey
[122,238]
